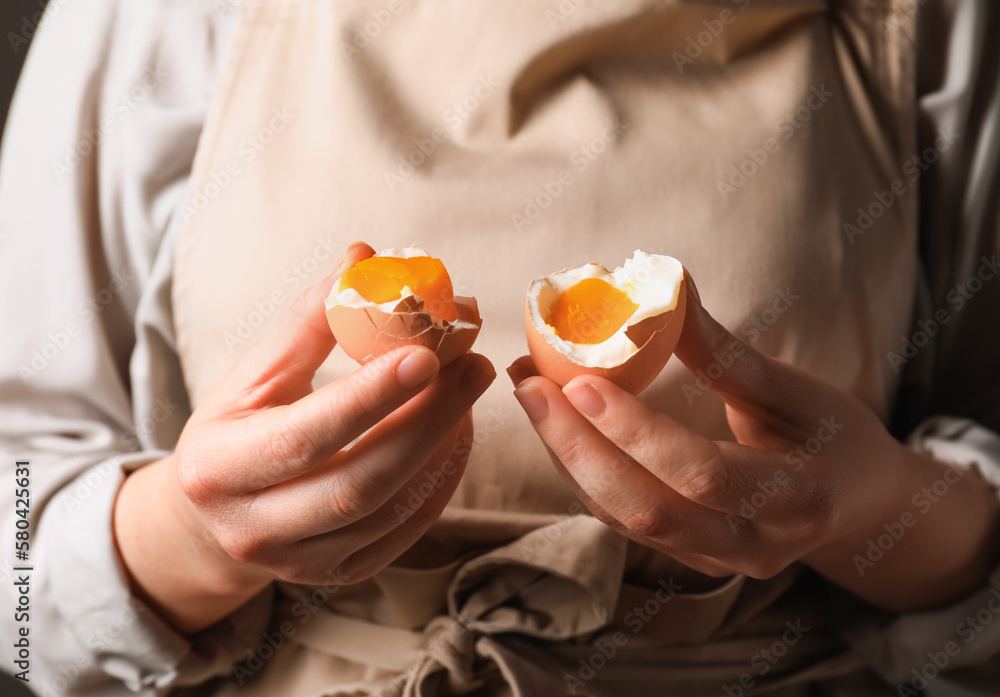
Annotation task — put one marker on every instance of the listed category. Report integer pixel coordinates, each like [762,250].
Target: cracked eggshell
[365,333]
[366,330]
[651,340]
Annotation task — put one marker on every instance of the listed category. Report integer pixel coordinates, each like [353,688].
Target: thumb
[748,380]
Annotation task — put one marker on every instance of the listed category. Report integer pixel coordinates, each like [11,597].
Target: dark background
[15,16]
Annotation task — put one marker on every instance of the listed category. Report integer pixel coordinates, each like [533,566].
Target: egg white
[651,281]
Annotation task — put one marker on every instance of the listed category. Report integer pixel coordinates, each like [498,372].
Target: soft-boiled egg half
[400,297]
[622,325]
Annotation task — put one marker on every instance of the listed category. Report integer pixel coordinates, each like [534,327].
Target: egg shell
[365,333]
[655,336]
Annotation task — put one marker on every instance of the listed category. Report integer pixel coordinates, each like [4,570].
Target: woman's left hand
[815,476]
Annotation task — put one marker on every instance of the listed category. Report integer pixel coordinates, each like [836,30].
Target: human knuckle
[196,479]
[648,520]
[763,568]
[242,546]
[291,447]
[360,397]
[705,479]
[821,505]
[349,499]
[572,449]
[638,433]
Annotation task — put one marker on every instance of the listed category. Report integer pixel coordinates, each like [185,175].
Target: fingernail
[587,400]
[416,369]
[533,402]
[511,373]
[476,379]
[343,257]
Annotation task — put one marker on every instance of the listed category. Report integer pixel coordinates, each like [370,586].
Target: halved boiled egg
[622,325]
[400,297]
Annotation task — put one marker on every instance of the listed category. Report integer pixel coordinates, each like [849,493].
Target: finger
[521,369]
[281,364]
[286,441]
[356,482]
[694,466]
[620,486]
[409,521]
[438,476]
[741,375]
[699,562]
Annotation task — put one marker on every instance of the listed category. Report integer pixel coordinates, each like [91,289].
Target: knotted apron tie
[538,587]
[531,617]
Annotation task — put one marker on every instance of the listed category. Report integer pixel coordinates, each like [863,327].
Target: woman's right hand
[262,483]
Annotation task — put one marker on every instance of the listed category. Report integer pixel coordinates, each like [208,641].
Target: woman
[749,526]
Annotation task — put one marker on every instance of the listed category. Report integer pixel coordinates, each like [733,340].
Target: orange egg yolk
[381,279]
[590,312]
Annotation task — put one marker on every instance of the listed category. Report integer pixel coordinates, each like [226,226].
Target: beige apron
[513,139]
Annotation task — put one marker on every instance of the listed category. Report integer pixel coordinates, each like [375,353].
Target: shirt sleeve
[99,144]
[949,401]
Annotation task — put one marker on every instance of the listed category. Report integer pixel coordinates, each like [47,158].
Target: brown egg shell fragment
[655,336]
[365,333]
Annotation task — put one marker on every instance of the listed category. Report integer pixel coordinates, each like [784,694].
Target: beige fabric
[110,223]
[496,601]
[322,181]
[489,119]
